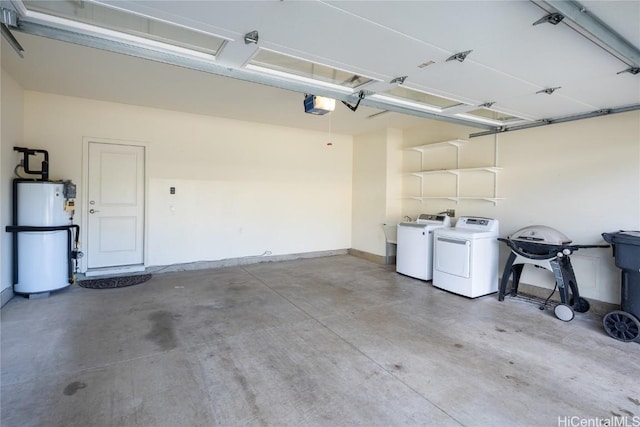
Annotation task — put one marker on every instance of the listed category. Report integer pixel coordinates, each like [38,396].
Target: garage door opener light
[318,105]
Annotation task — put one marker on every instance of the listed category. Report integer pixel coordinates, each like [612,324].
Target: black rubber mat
[114,282]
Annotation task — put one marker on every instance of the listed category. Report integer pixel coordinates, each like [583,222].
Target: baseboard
[598,308]
[378,259]
[235,262]
[6,295]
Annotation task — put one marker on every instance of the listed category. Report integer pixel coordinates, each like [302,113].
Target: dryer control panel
[434,219]
[477,223]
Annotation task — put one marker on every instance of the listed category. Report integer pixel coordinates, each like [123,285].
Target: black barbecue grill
[547,248]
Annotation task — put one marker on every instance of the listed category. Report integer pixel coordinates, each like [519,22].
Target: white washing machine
[414,253]
[465,258]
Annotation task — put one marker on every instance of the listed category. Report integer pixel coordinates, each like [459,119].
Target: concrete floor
[335,341]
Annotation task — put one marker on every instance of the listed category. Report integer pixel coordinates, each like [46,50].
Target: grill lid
[540,234]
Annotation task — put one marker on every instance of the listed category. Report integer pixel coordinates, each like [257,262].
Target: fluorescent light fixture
[318,105]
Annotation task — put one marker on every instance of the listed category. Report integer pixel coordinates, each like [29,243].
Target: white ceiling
[511,59]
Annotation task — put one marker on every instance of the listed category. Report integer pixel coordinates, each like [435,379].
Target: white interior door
[115,205]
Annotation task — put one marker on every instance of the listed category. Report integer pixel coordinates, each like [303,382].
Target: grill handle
[517,250]
[550,254]
[576,247]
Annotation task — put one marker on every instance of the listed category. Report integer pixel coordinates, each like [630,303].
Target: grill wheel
[582,306]
[564,312]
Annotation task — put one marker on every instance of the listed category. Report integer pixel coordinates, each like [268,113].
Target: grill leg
[580,305]
[509,268]
[517,272]
[563,277]
[571,278]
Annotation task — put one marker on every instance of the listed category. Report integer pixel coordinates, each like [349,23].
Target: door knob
[93,211]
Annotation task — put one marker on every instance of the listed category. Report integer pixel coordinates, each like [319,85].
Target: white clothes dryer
[414,253]
[465,258]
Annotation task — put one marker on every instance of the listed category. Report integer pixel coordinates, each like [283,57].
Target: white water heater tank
[42,255]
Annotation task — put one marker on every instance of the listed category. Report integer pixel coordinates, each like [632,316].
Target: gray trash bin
[623,324]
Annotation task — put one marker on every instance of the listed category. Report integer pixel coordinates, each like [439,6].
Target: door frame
[84,214]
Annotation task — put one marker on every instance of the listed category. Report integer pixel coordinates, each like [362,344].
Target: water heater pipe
[44,168]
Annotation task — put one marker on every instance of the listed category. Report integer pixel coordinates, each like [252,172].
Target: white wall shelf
[492,169]
[457,199]
[457,171]
[452,142]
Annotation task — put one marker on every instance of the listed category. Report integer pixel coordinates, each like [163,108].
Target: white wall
[242,188]
[245,188]
[582,178]
[11,134]
[394,175]
[369,192]
[377,188]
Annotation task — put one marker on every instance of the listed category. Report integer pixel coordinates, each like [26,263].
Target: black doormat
[114,282]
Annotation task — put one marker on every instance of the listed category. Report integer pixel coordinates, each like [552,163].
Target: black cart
[623,324]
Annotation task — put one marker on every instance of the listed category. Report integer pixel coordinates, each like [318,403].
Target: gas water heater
[45,240]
